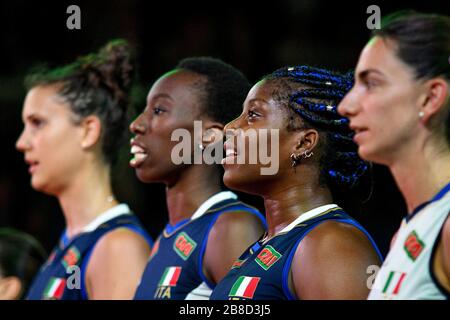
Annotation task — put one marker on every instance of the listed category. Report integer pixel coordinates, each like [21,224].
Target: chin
[41,186]
[144,176]
[239,182]
[367,154]
[154,175]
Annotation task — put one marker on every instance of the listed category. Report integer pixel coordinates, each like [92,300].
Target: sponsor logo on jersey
[71,257]
[413,246]
[244,287]
[267,257]
[184,245]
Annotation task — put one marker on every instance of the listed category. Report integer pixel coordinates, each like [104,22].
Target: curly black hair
[224,90]
[96,84]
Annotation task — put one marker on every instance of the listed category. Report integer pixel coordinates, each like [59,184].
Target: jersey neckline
[201,210]
[105,216]
[313,213]
[439,195]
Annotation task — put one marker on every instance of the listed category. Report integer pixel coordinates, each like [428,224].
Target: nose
[348,106]
[138,126]
[231,126]
[22,143]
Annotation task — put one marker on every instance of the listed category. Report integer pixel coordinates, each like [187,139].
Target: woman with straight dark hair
[399,109]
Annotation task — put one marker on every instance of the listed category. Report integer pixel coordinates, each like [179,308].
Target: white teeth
[140,156]
[230,152]
[136,149]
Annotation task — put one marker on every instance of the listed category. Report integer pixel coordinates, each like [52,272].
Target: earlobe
[436,98]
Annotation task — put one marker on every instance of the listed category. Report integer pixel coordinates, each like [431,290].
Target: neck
[421,175]
[88,196]
[285,204]
[194,186]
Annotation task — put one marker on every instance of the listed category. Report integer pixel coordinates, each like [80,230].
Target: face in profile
[50,140]
[261,114]
[384,104]
[172,103]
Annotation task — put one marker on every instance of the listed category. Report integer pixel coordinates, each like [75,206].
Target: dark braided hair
[96,84]
[314,94]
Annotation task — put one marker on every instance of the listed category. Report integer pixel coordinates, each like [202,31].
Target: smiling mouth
[230,155]
[139,156]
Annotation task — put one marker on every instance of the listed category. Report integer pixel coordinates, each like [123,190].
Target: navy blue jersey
[62,277]
[175,268]
[261,273]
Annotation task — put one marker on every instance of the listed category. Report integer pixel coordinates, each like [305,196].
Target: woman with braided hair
[312,249]
[75,117]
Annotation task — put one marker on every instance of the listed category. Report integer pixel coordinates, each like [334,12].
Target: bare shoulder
[332,235]
[239,219]
[232,233]
[117,262]
[121,239]
[446,231]
[331,262]
[444,246]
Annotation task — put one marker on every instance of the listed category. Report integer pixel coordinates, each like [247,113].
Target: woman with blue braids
[312,249]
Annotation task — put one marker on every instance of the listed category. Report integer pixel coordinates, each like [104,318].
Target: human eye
[252,115]
[157,110]
[36,122]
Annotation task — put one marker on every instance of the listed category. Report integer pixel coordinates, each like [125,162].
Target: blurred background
[256,37]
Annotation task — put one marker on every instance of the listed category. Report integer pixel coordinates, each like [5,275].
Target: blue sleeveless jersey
[56,279]
[261,273]
[175,268]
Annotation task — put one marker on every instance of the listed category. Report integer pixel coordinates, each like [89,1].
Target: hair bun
[111,68]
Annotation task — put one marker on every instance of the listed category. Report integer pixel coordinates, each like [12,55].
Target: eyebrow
[161,95]
[366,72]
[256,100]
[31,116]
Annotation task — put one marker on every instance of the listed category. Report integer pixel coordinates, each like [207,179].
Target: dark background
[256,37]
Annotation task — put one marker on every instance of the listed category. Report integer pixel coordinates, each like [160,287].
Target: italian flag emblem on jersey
[170,277]
[244,287]
[55,288]
[394,282]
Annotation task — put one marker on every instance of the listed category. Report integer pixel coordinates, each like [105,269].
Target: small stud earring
[201,146]
[421,114]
